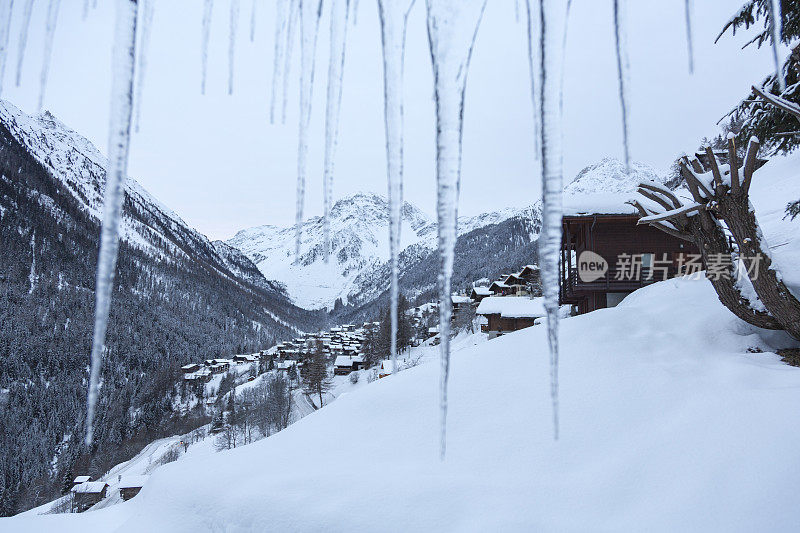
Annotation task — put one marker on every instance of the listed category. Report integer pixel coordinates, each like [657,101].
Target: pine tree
[316,379]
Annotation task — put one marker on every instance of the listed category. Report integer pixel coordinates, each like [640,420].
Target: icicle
[310,11]
[208,8]
[452,27]
[534,50]
[119,128]
[339,12]
[253,21]
[5,30]
[287,64]
[355,12]
[622,73]
[147,7]
[551,23]
[516,11]
[23,37]
[50,30]
[282,11]
[775,28]
[85,14]
[689,46]
[394,20]
[232,42]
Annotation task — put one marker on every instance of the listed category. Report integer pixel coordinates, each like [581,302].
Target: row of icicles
[452,27]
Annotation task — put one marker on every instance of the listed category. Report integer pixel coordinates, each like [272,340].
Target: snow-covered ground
[668,423]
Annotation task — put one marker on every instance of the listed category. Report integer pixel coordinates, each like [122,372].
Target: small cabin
[345,364]
[479,293]
[88,494]
[502,314]
[81,479]
[130,486]
[606,255]
[190,368]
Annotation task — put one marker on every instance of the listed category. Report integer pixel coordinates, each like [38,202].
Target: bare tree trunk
[711,240]
[740,218]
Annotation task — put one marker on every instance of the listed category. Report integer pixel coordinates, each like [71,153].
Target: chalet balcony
[615,280]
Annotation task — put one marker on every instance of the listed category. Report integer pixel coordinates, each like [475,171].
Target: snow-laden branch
[667,215]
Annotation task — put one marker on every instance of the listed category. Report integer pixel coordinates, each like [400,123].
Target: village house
[130,486]
[603,234]
[81,479]
[87,494]
[188,369]
[479,293]
[345,364]
[499,314]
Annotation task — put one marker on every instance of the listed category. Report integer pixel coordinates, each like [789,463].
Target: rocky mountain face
[178,298]
[358,270]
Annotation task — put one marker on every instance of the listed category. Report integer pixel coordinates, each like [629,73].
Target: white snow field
[668,423]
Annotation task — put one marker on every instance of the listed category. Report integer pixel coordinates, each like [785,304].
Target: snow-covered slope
[360,249]
[668,424]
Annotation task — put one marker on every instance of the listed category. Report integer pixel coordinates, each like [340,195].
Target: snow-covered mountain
[358,269]
[360,249]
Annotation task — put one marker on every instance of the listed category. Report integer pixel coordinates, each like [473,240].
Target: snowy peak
[609,175]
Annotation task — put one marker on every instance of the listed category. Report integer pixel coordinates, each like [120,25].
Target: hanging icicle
[5,29]
[234,28]
[339,12]
[394,21]
[452,27]
[119,127]
[287,64]
[689,45]
[147,7]
[622,73]
[310,11]
[85,13]
[550,20]
[253,21]
[205,34]
[776,30]
[50,31]
[23,37]
[282,11]
[355,12]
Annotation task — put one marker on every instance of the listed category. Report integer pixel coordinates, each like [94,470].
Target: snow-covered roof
[599,204]
[90,487]
[346,360]
[386,365]
[498,284]
[82,479]
[189,366]
[482,291]
[132,482]
[512,307]
[459,299]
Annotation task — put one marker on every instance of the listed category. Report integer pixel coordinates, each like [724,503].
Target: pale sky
[217,161]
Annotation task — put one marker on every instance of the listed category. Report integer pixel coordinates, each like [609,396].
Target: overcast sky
[217,161]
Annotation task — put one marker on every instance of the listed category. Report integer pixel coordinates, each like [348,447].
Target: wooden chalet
[190,368]
[130,486]
[385,368]
[479,293]
[81,479]
[502,314]
[635,255]
[345,364]
[87,494]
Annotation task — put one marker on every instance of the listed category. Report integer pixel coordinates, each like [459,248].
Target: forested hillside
[177,298]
